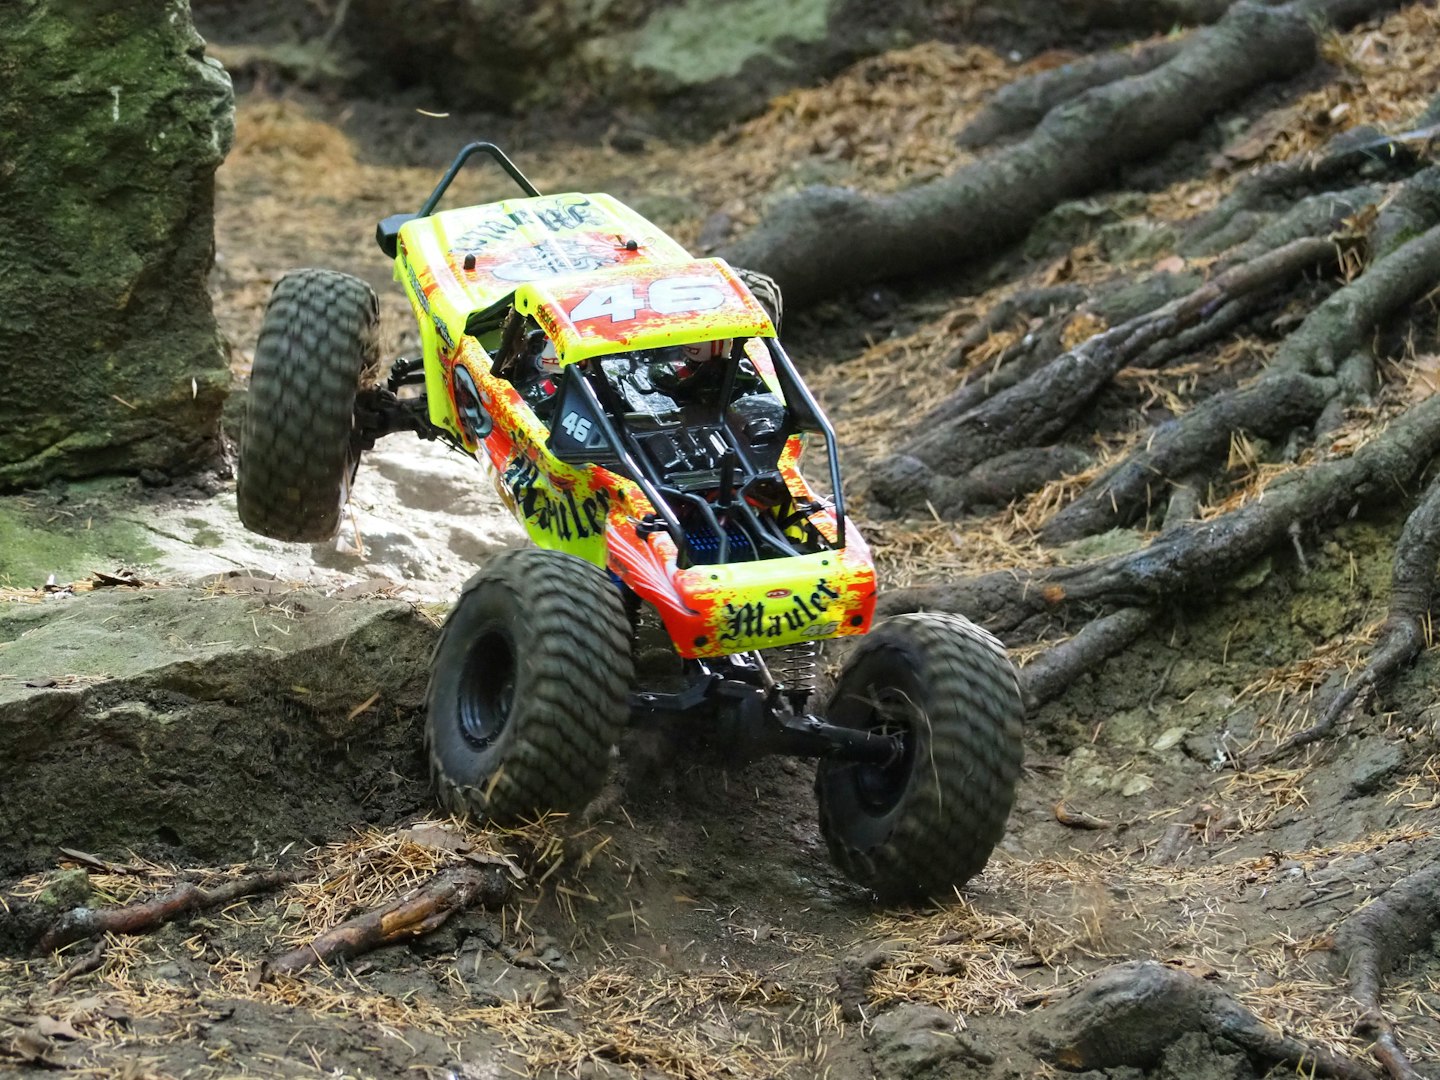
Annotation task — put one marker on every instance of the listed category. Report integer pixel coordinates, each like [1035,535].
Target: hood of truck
[460,261]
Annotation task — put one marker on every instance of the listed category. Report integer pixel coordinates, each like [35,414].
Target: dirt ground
[690,924]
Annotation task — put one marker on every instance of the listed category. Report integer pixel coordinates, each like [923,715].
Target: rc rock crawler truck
[645,426]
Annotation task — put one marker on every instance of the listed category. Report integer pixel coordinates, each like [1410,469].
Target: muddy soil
[689,923]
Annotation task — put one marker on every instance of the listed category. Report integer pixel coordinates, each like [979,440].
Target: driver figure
[688,371]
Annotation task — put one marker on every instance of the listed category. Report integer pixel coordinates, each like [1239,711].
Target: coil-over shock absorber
[796,669]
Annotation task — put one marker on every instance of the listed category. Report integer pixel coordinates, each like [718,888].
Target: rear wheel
[529,687]
[926,822]
[319,343]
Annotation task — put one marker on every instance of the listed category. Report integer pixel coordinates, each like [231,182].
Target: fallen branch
[1403,634]
[1056,306]
[91,961]
[1375,939]
[417,912]
[83,922]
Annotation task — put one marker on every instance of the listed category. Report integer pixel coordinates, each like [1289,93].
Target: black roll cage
[387,233]
[803,413]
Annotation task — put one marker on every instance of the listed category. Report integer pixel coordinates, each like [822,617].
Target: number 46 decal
[576,426]
[667,296]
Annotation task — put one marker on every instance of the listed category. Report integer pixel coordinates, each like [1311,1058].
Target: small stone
[1136,784]
[1372,763]
[1170,737]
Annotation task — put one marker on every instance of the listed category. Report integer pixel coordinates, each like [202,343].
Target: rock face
[702,61]
[111,126]
[212,725]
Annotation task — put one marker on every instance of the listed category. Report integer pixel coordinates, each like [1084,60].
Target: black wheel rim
[487,689]
[890,712]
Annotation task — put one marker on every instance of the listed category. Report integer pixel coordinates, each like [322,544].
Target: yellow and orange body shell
[599,279]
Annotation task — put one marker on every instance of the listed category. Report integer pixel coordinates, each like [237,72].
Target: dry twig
[186,899]
[417,912]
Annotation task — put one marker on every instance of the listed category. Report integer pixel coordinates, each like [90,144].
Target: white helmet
[700,351]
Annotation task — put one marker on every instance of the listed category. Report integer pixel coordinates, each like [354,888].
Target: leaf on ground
[436,838]
[1078,819]
[55,1028]
[29,1046]
[95,862]
[1424,380]
[1256,142]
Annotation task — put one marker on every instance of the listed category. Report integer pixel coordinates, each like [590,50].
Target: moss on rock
[111,127]
[700,63]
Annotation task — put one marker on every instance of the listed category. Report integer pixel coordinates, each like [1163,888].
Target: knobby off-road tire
[767,291]
[319,343]
[529,687]
[921,826]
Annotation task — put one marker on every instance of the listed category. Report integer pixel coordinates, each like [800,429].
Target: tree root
[1076,148]
[1128,1014]
[1294,390]
[1023,103]
[1415,207]
[1027,304]
[1360,149]
[1375,939]
[906,482]
[1041,406]
[84,922]
[417,912]
[91,961]
[1153,15]
[1196,556]
[1050,674]
[1055,306]
[1402,636]
[1250,233]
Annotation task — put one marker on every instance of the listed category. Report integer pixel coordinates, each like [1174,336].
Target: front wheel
[916,828]
[529,688]
[319,344]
